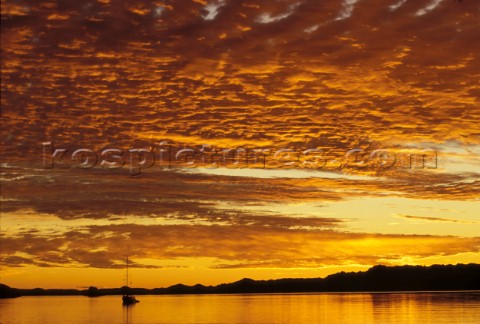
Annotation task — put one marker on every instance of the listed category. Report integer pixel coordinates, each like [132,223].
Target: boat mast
[127,272]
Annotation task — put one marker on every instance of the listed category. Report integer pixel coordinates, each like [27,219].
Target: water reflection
[249,308]
[128,313]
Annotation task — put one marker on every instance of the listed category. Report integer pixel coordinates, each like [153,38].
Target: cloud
[235,246]
[158,11]
[311,29]
[348,6]
[266,18]
[431,6]
[397,5]
[235,73]
[212,10]
[433,219]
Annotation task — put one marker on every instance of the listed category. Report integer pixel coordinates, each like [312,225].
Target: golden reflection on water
[249,308]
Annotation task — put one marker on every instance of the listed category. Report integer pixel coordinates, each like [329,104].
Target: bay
[332,308]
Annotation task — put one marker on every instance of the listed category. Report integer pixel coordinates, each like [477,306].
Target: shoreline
[378,279]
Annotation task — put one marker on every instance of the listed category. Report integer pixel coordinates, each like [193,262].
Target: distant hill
[7,292]
[377,278]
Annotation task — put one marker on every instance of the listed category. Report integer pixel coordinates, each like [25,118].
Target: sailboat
[128,299]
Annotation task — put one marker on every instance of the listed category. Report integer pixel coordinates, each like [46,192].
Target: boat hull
[129,300]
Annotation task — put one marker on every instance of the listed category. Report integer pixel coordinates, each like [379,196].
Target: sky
[210,141]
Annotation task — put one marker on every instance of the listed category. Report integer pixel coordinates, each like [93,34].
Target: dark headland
[376,279]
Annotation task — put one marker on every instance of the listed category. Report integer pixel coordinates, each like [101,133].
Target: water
[330,308]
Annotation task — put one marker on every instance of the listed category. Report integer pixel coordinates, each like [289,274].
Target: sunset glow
[386,93]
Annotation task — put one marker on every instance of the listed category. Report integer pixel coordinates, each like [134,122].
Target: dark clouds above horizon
[337,73]
[93,217]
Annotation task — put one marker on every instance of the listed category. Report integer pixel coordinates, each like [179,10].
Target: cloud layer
[333,75]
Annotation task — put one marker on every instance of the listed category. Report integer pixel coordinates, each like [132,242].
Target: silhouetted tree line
[378,278]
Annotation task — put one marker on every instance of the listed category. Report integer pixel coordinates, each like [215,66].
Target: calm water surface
[358,308]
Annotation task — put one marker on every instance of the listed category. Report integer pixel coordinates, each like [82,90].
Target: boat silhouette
[128,298]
